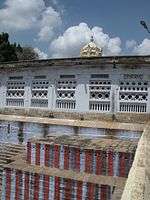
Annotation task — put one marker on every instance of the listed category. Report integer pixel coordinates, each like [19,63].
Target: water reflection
[18,132]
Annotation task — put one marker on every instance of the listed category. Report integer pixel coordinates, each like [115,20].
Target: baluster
[134,108]
[98,107]
[141,108]
[125,109]
[137,108]
[93,106]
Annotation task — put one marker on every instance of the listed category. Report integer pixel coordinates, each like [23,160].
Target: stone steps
[19,146]
[8,152]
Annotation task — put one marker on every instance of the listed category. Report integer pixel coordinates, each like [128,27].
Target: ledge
[139,118]
[75,123]
[78,61]
[97,179]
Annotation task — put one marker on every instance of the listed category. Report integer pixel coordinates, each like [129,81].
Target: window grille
[66,94]
[15,93]
[39,93]
[100,95]
[133,96]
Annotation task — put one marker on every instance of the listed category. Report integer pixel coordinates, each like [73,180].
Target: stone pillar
[114,104]
[51,96]
[3,89]
[28,85]
[52,90]
[82,93]
[148,102]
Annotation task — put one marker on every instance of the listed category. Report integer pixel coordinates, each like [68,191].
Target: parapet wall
[81,116]
[147,163]
[138,182]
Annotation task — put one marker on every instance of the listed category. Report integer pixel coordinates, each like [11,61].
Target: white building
[90,83]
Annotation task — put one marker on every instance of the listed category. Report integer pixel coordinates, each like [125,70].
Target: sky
[60,28]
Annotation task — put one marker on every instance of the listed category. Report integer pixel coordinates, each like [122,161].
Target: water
[17,132]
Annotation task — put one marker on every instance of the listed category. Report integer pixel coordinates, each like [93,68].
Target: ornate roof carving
[91,50]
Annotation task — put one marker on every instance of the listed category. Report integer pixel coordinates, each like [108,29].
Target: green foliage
[14,52]
[7,50]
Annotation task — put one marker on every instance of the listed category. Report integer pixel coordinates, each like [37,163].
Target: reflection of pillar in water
[20,133]
[45,130]
[76,130]
[8,132]
[8,129]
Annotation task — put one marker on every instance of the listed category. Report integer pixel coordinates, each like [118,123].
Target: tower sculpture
[91,49]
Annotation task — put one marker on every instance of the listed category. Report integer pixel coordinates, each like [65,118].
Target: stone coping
[69,174]
[83,116]
[88,144]
[138,182]
[78,61]
[75,123]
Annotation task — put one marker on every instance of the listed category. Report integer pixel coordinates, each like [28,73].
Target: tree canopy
[14,52]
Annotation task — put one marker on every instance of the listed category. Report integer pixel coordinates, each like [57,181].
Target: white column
[51,97]
[115,92]
[3,89]
[52,93]
[148,102]
[27,94]
[82,93]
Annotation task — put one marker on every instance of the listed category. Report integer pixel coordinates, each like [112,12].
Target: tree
[26,53]
[14,52]
[7,50]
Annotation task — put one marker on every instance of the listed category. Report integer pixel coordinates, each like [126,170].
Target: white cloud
[41,54]
[113,47]
[18,15]
[130,44]
[138,49]
[50,20]
[75,37]
[143,48]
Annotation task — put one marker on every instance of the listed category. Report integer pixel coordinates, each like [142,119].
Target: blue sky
[52,26]
[118,17]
